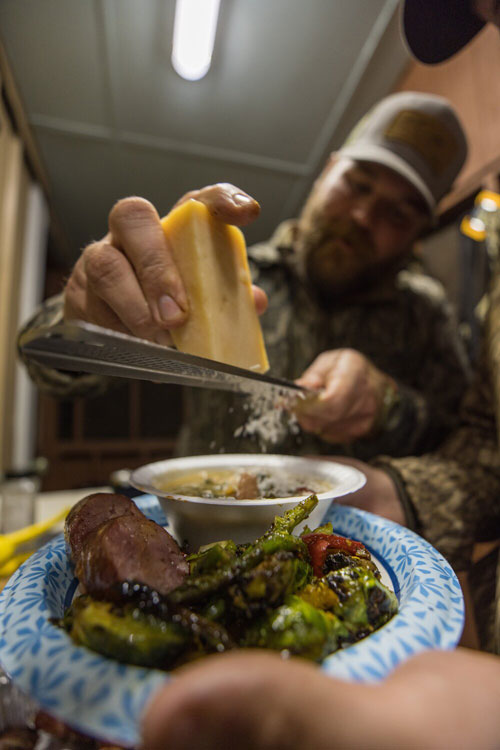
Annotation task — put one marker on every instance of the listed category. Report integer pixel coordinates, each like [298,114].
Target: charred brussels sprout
[356,596]
[337,560]
[300,629]
[125,633]
[149,636]
[268,583]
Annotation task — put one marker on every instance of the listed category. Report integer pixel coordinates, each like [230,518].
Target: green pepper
[277,538]
[212,557]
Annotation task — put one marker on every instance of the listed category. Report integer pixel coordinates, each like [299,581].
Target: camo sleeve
[452,496]
[59,383]
[431,379]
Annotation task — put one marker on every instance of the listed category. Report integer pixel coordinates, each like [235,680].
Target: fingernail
[169,309]
[242,200]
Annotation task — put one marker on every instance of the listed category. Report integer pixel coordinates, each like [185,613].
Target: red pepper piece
[319,545]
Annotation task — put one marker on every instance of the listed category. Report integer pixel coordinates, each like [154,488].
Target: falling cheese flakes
[270,416]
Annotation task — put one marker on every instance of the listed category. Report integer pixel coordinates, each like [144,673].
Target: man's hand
[379,495]
[129,282]
[257,701]
[351,399]
[250,700]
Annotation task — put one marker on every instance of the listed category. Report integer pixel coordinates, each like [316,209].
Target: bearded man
[344,317]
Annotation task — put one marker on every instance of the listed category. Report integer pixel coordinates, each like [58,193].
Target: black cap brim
[436,29]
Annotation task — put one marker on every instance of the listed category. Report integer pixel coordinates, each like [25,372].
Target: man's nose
[362,211]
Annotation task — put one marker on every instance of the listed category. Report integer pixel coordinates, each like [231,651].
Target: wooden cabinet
[85,440]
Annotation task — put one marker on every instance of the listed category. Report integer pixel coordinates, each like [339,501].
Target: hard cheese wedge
[212,260]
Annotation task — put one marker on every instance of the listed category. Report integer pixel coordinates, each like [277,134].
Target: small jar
[18,496]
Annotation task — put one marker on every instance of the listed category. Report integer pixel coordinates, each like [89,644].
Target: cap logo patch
[425,134]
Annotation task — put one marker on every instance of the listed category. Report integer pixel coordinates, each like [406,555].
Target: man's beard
[339,260]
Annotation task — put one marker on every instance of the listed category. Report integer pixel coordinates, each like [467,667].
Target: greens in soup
[242,485]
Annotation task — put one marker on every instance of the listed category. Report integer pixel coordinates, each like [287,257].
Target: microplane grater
[84,347]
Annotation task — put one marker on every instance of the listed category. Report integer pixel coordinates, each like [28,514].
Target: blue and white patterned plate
[105,699]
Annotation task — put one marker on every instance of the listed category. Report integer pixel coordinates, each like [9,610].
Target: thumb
[311,380]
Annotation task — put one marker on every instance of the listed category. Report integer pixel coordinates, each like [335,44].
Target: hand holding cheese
[128,281]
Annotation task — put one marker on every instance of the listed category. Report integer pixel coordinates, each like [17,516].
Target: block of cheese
[211,257]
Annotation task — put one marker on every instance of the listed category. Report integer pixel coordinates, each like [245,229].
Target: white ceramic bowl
[199,520]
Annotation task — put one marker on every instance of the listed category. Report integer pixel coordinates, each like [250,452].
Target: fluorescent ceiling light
[194,34]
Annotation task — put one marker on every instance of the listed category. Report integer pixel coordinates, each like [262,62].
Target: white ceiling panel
[56,48]
[85,178]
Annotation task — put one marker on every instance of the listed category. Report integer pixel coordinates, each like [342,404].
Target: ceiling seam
[165,145]
[71,127]
[352,83]
[103,30]
[213,153]
[319,151]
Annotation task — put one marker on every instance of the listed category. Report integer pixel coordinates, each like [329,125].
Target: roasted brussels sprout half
[300,629]
[125,633]
[268,583]
[356,596]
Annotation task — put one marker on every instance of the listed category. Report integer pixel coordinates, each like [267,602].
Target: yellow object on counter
[211,256]
[10,555]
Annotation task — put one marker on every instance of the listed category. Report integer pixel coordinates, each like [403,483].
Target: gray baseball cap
[419,136]
[436,29]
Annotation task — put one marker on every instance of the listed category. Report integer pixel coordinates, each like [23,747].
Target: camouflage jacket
[405,328]
[452,496]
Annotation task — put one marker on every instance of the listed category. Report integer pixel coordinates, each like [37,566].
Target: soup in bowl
[236,496]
